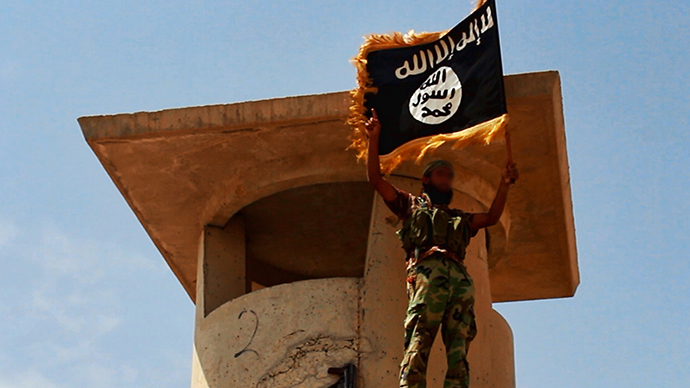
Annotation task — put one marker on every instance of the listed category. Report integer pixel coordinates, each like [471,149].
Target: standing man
[440,291]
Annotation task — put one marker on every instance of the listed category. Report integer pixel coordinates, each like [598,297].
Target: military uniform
[440,290]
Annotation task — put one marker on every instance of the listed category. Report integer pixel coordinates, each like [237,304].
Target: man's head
[437,180]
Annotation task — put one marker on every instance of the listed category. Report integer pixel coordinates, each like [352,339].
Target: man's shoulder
[402,204]
[406,196]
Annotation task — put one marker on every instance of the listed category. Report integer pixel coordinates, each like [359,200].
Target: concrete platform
[182,169]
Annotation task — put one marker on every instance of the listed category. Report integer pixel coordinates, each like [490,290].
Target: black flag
[448,88]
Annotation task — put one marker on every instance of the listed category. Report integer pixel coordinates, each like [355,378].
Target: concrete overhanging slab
[180,169]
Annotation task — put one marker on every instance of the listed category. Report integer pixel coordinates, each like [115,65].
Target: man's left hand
[510,173]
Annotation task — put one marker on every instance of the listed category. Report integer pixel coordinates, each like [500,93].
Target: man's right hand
[373,125]
[387,191]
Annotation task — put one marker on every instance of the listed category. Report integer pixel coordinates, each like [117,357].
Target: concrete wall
[279,337]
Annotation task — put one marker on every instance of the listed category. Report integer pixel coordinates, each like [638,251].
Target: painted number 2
[256,326]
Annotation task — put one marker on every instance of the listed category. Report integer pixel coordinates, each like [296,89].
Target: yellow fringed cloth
[434,58]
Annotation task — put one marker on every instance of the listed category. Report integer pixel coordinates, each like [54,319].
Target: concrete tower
[291,258]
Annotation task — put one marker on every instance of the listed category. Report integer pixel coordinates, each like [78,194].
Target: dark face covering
[438,197]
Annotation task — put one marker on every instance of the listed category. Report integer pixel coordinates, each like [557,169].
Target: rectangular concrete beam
[182,169]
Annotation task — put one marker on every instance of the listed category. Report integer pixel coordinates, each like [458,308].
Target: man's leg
[459,327]
[428,288]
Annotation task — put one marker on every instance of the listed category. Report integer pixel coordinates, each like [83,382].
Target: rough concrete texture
[279,337]
[181,169]
[304,364]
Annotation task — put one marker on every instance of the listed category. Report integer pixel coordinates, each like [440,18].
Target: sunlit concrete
[263,196]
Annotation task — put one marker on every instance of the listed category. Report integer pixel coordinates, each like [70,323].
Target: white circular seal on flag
[437,98]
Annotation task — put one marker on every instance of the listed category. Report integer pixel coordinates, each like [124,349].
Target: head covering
[436,164]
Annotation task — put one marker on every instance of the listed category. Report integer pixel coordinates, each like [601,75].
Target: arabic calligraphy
[446,47]
[437,98]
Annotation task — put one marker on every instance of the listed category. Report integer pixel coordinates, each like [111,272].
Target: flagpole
[508,147]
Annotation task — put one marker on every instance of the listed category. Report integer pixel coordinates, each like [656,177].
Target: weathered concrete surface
[223,266]
[384,301]
[181,169]
[279,337]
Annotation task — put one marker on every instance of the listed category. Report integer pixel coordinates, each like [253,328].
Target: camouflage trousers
[440,292]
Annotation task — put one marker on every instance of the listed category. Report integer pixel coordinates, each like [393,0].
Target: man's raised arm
[384,188]
[483,220]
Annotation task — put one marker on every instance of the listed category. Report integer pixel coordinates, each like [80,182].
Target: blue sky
[86,300]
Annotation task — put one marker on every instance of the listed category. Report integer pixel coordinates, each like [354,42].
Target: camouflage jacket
[430,228]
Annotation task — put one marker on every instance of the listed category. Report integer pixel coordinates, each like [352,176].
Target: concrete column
[198,377]
[220,277]
[224,264]
[384,301]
